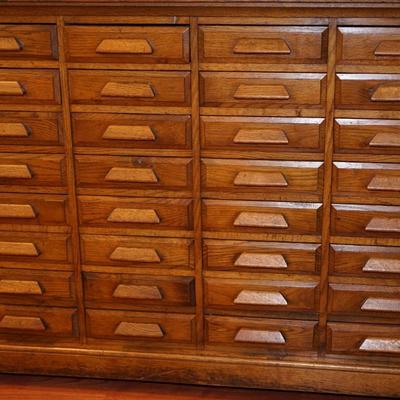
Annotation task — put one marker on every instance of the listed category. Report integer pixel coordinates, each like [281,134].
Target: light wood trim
[381,345]
[136,329]
[382,265]
[384,139]
[388,48]
[129,132]
[387,92]
[134,215]
[11,88]
[17,211]
[261,92]
[9,129]
[259,297]
[261,260]
[134,175]
[259,336]
[22,323]
[261,46]
[20,287]
[261,220]
[120,89]
[137,292]
[18,249]
[254,178]
[382,182]
[147,255]
[376,304]
[15,171]
[261,136]
[378,224]
[10,44]
[124,46]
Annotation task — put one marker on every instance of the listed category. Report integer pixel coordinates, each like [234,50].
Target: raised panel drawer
[130,88]
[229,255]
[128,44]
[263,44]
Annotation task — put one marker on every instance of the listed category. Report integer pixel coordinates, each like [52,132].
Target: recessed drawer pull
[261,260]
[18,249]
[258,336]
[382,265]
[17,211]
[10,44]
[381,345]
[382,182]
[261,220]
[375,304]
[124,46]
[15,171]
[387,92]
[136,329]
[20,287]
[134,215]
[120,89]
[262,92]
[127,132]
[248,178]
[383,225]
[22,323]
[258,297]
[134,175]
[261,46]
[261,136]
[137,292]
[11,88]
[147,255]
[388,48]
[385,140]
[9,129]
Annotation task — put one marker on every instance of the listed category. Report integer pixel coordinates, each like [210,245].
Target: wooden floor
[17,387]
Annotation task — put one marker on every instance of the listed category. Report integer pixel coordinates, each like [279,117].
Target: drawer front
[28,42]
[262,134]
[259,295]
[227,255]
[359,220]
[134,172]
[137,252]
[135,327]
[365,260]
[363,340]
[30,129]
[368,91]
[262,334]
[247,89]
[367,136]
[128,44]
[256,44]
[141,213]
[132,131]
[262,176]
[29,86]
[130,88]
[130,291]
[261,217]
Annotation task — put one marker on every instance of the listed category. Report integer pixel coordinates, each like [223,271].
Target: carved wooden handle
[22,323]
[134,215]
[387,225]
[120,89]
[17,211]
[129,132]
[382,265]
[15,171]
[376,304]
[11,88]
[20,287]
[382,182]
[146,255]
[262,92]
[10,44]
[18,249]
[381,345]
[388,48]
[124,46]
[136,329]
[8,129]
[260,220]
[387,92]
[137,292]
[261,260]
[252,178]
[259,336]
[261,46]
[261,298]
[134,175]
[385,140]
[261,136]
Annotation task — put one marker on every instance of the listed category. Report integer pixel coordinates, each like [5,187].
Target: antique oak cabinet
[202,192]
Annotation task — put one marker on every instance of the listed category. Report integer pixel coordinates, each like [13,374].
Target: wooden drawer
[262,134]
[285,177]
[367,136]
[28,86]
[137,252]
[229,255]
[365,260]
[142,173]
[261,217]
[135,327]
[32,170]
[130,291]
[250,89]
[360,220]
[262,334]
[262,295]
[141,213]
[363,339]
[36,287]
[28,42]
[132,131]
[128,44]
[130,88]
[263,44]
[368,91]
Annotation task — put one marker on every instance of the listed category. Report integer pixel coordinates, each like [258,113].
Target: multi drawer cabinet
[202,192]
